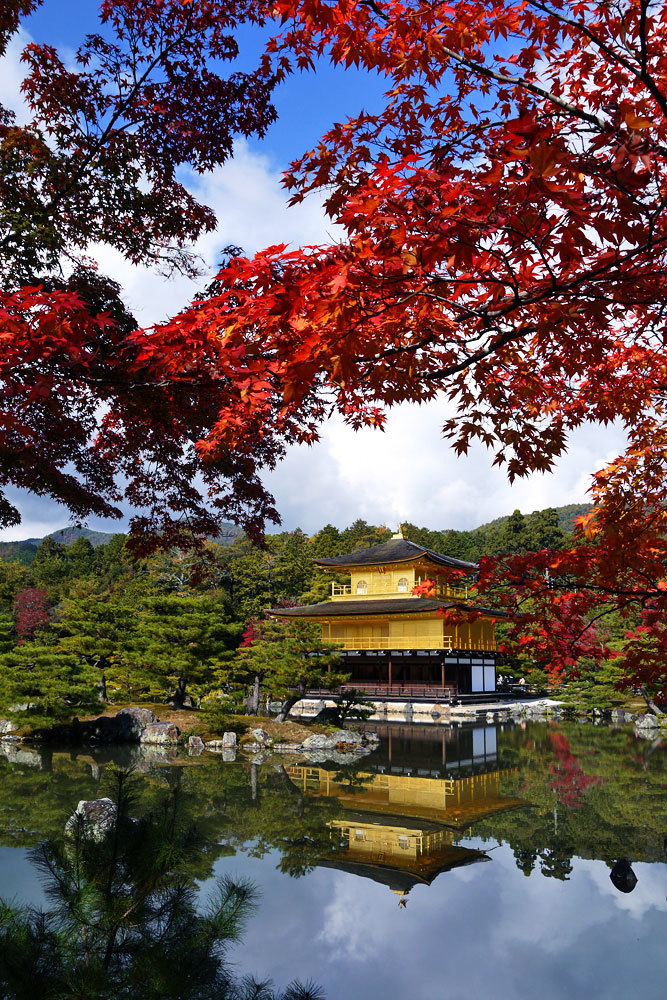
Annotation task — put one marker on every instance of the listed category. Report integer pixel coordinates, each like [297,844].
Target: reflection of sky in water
[484,930]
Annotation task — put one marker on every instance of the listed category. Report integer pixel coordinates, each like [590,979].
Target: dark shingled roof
[395,550]
[392,605]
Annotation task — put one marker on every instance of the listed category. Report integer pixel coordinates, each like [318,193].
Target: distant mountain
[24,551]
[69,535]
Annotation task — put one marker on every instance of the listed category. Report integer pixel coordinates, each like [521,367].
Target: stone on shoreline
[260,735]
[7,727]
[195,746]
[318,741]
[229,740]
[161,733]
[138,718]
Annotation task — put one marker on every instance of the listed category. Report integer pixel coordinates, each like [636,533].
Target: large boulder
[162,733]
[346,737]
[136,719]
[195,746]
[646,726]
[260,736]
[318,741]
[94,817]
[622,876]
[7,727]
[229,740]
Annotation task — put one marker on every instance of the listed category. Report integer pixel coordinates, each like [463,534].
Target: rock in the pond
[94,817]
[347,737]
[161,733]
[261,736]
[136,720]
[229,739]
[195,746]
[647,721]
[214,746]
[318,741]
[228,754]
[372,737]
[7,727]
[286,747]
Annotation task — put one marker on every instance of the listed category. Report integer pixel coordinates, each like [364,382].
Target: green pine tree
[41,684]
[283,661]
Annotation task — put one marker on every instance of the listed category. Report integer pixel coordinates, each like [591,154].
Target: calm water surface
[454,863]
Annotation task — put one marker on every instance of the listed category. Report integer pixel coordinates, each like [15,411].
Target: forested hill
[541,529]
[566,517]
[24,551]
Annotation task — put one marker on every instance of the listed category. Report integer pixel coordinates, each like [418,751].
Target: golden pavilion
[403,813]
[396,642]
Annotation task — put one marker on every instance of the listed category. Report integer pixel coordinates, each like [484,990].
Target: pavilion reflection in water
[415,795]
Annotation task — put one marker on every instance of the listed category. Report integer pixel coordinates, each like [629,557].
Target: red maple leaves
[501,237]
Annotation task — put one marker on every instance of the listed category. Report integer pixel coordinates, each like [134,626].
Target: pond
[464,862]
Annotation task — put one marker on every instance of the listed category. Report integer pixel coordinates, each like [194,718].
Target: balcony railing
[409,642]
[343,591]
[395,642]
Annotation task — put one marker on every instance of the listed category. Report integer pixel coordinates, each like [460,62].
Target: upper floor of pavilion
[394,568]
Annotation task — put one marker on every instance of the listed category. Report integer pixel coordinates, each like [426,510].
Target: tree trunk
[290,701]
[178,701]
[651,704]
[252,701]
[287,782]
[102,688]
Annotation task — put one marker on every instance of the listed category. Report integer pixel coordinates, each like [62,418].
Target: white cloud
[251,206]
[12,74]
[406,473]
[410,473]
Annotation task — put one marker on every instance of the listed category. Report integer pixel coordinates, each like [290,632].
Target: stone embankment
[536,710]
[344,746]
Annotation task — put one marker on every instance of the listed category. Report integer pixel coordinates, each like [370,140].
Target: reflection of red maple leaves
[568,780]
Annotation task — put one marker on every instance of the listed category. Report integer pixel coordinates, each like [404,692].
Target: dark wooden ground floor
[421,673]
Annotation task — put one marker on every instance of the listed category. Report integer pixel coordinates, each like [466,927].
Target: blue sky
[406,473]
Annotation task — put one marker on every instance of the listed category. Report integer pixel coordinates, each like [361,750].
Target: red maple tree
[31,612]
[503,241]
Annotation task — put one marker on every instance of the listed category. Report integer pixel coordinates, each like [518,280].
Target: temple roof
[391,605]
[402,879]
[393,551]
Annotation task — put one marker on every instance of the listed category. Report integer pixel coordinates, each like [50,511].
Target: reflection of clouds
[342,932]
[476,931]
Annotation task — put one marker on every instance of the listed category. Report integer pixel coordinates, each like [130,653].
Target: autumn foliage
[31,612]
[502,240]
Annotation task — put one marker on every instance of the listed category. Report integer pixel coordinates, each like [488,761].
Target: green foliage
[218,714]
[7,633]
[124,919]
[181,643]
[49,683]
[282,662]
